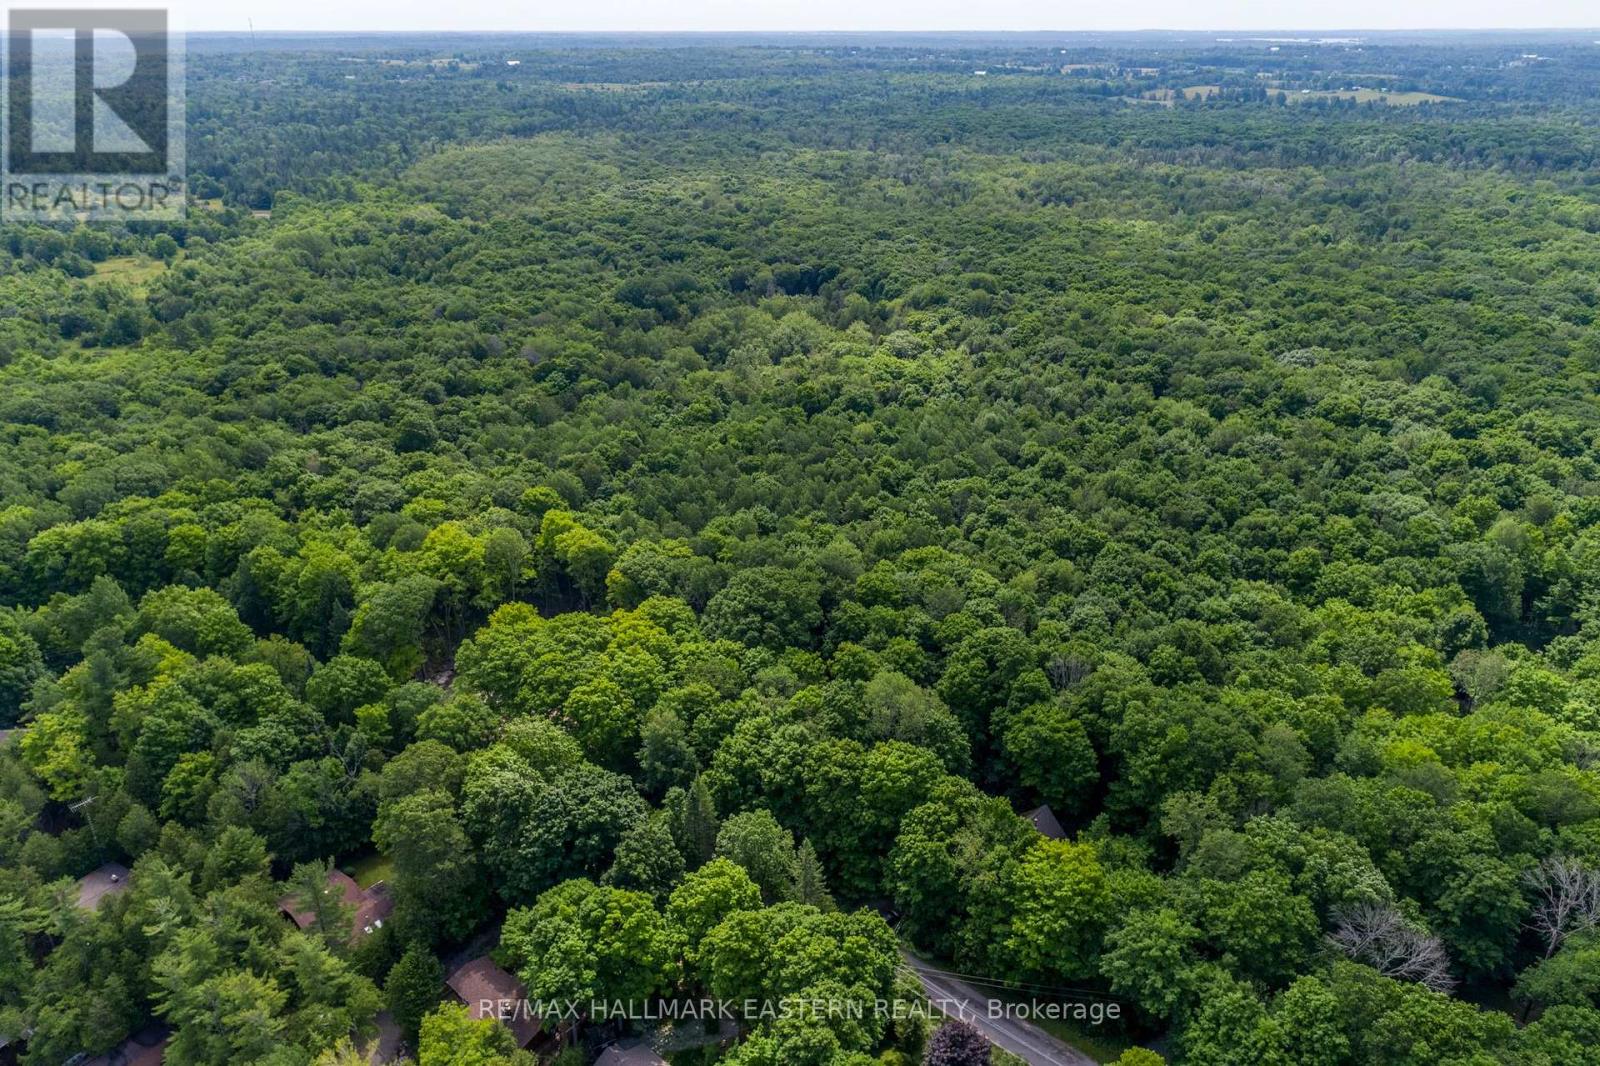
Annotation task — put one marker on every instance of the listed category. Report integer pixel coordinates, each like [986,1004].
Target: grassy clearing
[368,870]
[135,271]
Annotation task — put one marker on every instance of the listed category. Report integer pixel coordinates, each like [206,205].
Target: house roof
[93,888]
[490,992]
[338,881]
[1044,820]
[371,907]
[148,1047]
[633,1053]
[374,909]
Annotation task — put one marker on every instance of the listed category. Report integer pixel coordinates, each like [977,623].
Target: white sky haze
[1078,15]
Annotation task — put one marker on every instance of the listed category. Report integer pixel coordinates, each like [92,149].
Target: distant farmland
[1369,96]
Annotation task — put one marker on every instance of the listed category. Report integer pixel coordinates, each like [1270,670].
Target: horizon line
[1254,30]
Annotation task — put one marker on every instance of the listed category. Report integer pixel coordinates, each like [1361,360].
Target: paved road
[952,995]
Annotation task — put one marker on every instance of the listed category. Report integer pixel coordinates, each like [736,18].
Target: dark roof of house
[490,992]
[633,1053]
[1044,820]
[94,887]
[375,907]
[148,1047]
[338,881]
[371,907]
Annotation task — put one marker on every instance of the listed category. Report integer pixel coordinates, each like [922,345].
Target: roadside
[954,996]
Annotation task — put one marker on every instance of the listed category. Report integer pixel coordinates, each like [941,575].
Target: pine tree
[412,989]
[647,860]
[810,883]
[692,818]
[331,916]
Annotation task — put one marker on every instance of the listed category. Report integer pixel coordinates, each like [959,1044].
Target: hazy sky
[556,15]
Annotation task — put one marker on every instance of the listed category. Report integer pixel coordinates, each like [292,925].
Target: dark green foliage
[412,989]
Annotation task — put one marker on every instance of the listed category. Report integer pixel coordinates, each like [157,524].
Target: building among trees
[490,992]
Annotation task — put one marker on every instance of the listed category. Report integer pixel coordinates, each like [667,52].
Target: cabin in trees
[370,906]
[1044,820]
[93,888]
[148,1047]
[490,992]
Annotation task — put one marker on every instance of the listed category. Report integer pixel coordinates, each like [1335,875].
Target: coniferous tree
[810,881]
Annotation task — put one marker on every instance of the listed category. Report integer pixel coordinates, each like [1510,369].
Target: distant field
[1368,96]
[1190,92]
[618,86]
[136,271]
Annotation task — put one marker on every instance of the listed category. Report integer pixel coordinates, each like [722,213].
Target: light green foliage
[584,943]
[765,850]
[1062,906]
[898,709]
[1568,978]
[344,683]
[464,723]
[450,1037]
[792,951]
[604,719]
[1150,958]
[707,896]
[810,880]
[196,620]
[1138,1056]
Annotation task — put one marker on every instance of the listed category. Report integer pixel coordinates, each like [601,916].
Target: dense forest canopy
[664,506]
